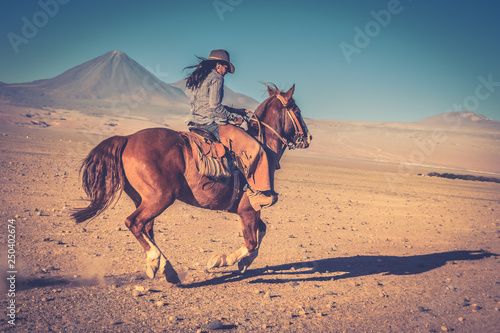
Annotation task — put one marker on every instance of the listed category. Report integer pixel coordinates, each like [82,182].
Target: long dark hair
[200,73]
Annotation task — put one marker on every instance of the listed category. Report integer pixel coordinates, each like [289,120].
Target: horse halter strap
[295,121]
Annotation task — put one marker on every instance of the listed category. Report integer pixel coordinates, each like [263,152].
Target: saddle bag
[211,158]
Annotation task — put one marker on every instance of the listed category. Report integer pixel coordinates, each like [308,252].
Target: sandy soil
[351,246]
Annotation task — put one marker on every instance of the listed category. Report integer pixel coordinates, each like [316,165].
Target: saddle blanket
[211,158]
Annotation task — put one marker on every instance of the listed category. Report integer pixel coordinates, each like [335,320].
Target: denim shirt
[206,107]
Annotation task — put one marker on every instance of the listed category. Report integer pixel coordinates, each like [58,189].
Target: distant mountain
[111,80]
[107,76]
[461,120]
[231,98]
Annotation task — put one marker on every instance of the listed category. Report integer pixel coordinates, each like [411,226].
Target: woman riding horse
[207,85]
[155,167]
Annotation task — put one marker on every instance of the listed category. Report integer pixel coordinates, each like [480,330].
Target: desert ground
[353,245]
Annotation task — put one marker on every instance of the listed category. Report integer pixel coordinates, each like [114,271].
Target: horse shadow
[313,270]
[346,267]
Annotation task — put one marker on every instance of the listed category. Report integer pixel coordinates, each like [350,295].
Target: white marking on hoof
[150,271]
[237,256]
[216,261]
[152,259]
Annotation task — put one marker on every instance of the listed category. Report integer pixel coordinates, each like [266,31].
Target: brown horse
[155,167]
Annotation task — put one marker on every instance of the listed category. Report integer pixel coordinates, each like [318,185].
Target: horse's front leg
[246,261]
[253,232]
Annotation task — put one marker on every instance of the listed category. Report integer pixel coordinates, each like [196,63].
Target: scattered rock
[330,305]
[475,307]
[136,293]
[213,325]
[140,288]
[160,304]
[444,329]
[302,311]
[48,269]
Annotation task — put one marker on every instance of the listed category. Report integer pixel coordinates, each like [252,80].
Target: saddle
[212,158]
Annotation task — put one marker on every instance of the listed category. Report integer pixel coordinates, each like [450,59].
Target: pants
[251,155]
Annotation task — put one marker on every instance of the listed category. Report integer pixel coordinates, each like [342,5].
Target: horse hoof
[243,264]
[150,271]
[216,261]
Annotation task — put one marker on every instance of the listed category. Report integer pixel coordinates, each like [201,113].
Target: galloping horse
[156,166]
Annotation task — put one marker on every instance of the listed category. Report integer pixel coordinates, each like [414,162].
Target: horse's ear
[289,93]
[271,91]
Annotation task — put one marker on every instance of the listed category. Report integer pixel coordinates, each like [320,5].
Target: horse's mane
[272,87]
[273,90]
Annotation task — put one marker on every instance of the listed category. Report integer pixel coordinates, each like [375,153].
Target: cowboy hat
[222,55]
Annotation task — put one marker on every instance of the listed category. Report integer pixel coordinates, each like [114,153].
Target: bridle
[299,132]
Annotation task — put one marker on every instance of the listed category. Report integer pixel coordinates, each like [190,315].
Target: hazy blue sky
[350,60]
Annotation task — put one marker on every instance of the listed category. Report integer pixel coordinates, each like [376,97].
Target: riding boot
[260,200]
[255,165]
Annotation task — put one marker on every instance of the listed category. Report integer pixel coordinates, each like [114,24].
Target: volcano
[111,80]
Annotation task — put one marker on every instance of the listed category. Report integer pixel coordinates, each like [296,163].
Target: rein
[260,122]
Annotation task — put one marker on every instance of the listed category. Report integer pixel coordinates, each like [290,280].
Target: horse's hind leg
[152,262]
[140,223]
[156,261]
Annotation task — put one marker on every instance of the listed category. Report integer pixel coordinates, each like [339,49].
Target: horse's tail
[102,177]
